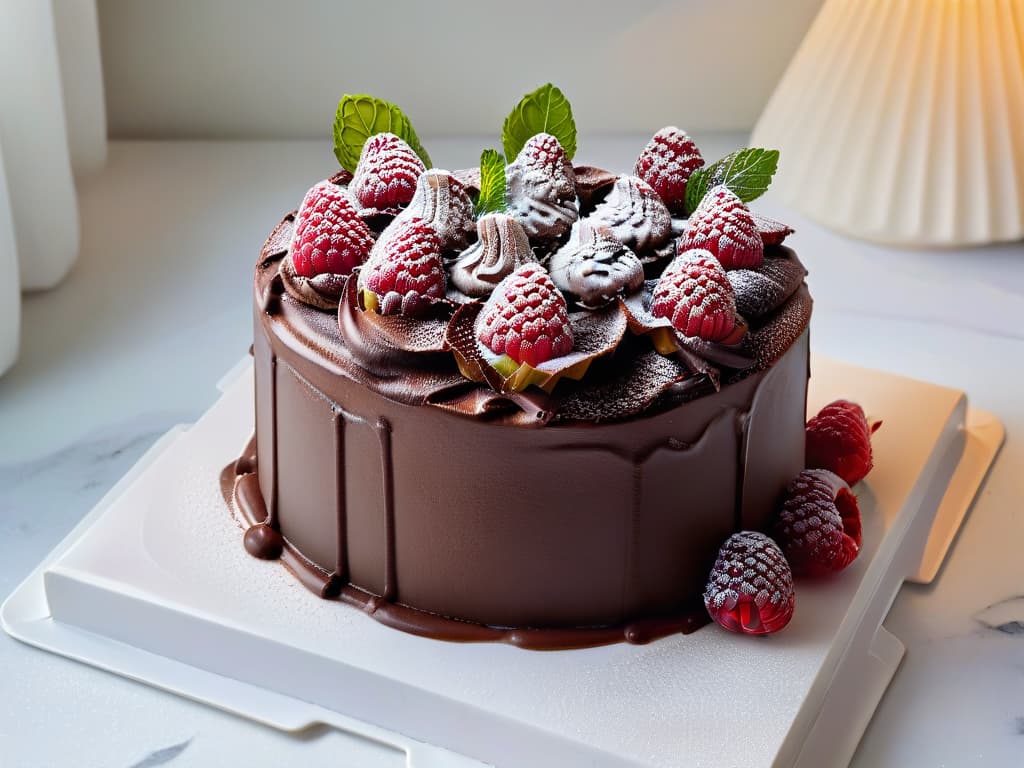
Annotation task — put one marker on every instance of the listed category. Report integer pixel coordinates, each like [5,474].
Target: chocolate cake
[524,402]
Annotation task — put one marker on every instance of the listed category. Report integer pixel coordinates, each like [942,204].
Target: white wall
[232,68]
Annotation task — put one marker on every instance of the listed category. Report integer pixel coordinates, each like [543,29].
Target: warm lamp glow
[903,121]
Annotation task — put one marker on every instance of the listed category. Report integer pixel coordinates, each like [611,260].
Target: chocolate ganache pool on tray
[523,402]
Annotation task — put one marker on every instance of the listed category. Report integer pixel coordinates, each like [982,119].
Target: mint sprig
[545,110]
[492,183]
[359,117]
[747,172]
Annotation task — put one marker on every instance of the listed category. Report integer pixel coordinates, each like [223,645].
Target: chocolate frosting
[594,266]
[635,215]
[501,247]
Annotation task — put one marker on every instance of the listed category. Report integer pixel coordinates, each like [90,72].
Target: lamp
[902,121]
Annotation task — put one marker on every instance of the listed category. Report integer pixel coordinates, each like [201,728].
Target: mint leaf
[546,110]
[492,183]
[747,172]
[359,117]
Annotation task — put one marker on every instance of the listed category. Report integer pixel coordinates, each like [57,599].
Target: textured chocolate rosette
[594,266]
[442,201]
[636,217]
[501,247]
[541,190]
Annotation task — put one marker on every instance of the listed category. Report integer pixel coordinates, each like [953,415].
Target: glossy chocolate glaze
[476,528]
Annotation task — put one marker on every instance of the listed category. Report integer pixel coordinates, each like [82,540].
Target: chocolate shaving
[764,289]
[461,338]
[533,408]
[280,239]
[342,178]
[592,184]
[771,341]
[772,232]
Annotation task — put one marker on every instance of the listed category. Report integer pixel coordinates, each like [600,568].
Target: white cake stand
[155,585]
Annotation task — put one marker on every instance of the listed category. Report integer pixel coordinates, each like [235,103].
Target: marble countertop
[158,308]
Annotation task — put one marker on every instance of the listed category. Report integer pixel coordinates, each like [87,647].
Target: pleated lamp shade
[902,121]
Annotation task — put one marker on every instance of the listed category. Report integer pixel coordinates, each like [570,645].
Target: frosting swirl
[441,200]
[634,214]
[501,247]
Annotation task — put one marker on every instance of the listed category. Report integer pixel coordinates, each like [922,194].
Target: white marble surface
[158,307]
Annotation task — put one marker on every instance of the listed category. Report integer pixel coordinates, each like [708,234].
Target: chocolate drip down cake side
[529,402]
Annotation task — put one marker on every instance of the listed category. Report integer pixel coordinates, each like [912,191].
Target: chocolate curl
[321,291]
[592,184]
[523,409]
[379,342]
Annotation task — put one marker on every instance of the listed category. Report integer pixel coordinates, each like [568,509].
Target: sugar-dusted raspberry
[750,589]
[526,318]
[387,172]
[405,271]
[695,294]
[666,163]
[723,225]
[329,235]
[819,524]
[839,440]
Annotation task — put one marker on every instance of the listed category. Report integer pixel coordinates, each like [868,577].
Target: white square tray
[155,585]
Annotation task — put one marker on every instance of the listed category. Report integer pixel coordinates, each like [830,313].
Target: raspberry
[329,235]
[819,524]
[526,318]
[667,162]
[387,172]
[723,225]
[405,271]
[750,589]
[839,440]
[695,294]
